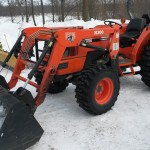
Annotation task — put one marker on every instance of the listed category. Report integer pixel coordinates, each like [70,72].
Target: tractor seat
[132,32]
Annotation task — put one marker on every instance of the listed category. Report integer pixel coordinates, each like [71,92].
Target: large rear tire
[145,65]
[97,89]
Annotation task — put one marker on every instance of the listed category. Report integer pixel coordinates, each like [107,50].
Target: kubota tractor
[92,59]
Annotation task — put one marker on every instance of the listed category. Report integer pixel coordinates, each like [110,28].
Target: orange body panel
[74,65]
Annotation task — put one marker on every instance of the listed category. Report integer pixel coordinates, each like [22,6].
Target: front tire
[57,87]
[97,89]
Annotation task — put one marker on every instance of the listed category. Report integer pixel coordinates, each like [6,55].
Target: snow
[67,127]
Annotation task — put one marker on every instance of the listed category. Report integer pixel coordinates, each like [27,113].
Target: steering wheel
[109,23]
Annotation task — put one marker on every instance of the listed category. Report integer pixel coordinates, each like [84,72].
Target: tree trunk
[26,11]
[53,11]
[42,9]
[32,7]
[114,9]
[62,10]
[20,3]
[78,10]
[91,9]
[85,10]
[10,11]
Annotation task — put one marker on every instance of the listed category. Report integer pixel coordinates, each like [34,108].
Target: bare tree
[53,11]
[10,10]
[42,10]
[114,9]
[57,8]
[26,11]
[62,10]
[32,7]
[85,10]
[20,3]
[91,8]
[78,10]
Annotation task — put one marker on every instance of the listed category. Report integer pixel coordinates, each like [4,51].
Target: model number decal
[99,32]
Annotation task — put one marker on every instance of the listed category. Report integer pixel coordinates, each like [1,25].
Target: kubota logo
[70,36]
[99,32]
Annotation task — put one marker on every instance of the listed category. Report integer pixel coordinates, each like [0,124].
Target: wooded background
[78,9]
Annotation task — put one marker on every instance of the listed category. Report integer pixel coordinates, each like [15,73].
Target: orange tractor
[92,59]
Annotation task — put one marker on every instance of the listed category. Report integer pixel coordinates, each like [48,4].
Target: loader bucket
[18,127]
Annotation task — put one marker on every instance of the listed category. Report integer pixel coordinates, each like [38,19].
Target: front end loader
[92,59]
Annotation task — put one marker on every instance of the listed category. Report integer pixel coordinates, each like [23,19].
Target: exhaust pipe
[18,127]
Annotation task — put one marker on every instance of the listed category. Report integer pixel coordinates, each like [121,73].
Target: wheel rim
[104,91]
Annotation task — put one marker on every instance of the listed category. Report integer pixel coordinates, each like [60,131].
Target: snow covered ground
[67,127]
[125,127]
